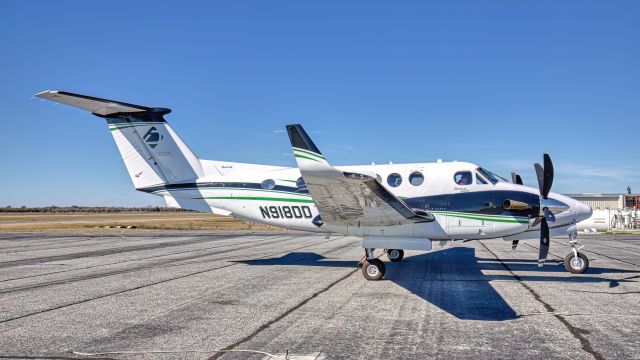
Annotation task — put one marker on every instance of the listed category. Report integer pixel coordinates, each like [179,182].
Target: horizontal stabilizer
[152,151]
[97,106]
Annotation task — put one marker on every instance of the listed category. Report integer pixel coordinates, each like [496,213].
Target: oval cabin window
[416,178]
[394,180]
[268,184]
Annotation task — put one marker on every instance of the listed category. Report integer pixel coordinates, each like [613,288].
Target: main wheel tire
[373,269]
[576,265]
[395,255]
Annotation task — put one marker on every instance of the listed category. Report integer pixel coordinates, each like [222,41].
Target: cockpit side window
[480,180]
[463,178]
[488,175]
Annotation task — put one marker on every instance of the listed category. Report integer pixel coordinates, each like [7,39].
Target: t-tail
[152,152]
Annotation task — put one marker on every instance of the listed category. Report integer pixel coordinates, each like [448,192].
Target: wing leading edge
[347,198]
[98,106]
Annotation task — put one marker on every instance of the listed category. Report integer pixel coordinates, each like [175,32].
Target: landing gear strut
[372,268]
[576,262]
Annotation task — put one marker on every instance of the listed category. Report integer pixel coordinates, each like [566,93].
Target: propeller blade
[540,176]
[514,244]
[548,174]
[549,215]
[516,178]
[544,242]
[545,176]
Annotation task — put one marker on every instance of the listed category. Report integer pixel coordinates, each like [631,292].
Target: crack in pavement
[136,259]
[111,251]
[282,316]
[48,357]
[577,332]
[607,292]
[587,251]
[610,257]
[154,283]
[159,264]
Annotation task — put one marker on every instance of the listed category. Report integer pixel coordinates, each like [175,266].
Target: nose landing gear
[576,262]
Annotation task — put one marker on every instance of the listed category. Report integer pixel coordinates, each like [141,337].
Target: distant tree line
[89,209]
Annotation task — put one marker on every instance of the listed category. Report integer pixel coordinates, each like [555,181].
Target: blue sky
[497,83]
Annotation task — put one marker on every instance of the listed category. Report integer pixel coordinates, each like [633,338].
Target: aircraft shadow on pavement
[452,279]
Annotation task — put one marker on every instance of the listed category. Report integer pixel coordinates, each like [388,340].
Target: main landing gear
[373,268]
[395,255]
[576,262]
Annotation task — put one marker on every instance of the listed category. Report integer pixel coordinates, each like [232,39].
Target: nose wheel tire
[373,269]
[395,255]
[576,265]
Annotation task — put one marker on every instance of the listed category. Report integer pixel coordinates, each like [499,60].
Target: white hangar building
[619,211]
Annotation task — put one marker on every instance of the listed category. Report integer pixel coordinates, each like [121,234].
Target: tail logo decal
[152,137]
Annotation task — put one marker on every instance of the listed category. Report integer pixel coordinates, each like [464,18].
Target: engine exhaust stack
[515,205]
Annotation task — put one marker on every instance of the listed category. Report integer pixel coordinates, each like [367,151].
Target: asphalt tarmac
[183,295]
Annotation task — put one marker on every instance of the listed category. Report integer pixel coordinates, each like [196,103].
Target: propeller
[545,180]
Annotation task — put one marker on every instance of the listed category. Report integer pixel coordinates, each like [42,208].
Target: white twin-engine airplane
[395,207]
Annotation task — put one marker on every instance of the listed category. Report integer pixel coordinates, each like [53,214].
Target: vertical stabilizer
[152,152]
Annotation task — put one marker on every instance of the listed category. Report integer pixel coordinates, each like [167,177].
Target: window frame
[422,177]
[399,177]
[482,179]
[460,172]
[491,176]
[271,182]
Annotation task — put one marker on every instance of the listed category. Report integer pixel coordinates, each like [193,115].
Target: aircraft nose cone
[583,211]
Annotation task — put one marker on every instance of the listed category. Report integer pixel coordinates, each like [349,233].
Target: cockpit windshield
[490,176]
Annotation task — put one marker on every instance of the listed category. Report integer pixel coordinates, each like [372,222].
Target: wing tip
[46,94]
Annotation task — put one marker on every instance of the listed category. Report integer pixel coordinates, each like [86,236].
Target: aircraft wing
[347,198]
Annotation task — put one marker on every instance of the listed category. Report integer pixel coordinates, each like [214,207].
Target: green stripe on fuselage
[235,189]
[258,198]
[495,218]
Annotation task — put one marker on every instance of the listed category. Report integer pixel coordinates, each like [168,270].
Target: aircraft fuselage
[469,209]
